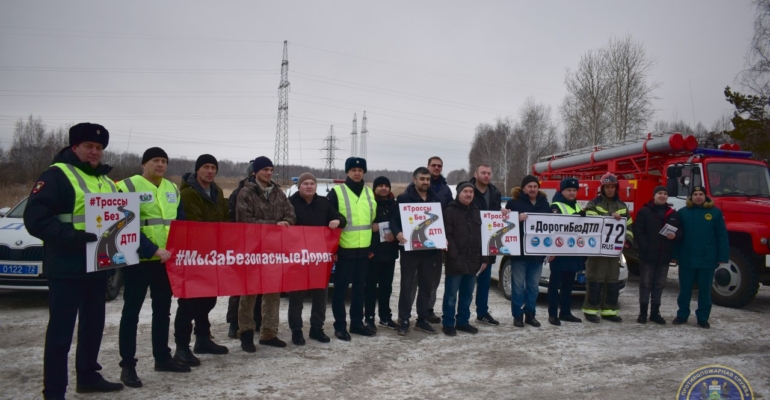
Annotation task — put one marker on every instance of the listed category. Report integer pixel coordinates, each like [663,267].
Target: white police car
[21,256]
[501,272]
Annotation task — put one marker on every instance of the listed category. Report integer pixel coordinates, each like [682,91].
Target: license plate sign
[10,269]
[581,278]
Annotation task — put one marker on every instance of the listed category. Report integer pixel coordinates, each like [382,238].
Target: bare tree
[585,108]
[631,94]
[756,76]
[535,134]
[456,176]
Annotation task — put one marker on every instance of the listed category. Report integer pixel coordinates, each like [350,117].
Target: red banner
[231,259]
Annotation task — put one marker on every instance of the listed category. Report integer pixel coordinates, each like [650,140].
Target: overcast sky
[199,77]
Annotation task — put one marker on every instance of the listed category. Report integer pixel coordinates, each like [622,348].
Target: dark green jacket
[705,242]
[198,206]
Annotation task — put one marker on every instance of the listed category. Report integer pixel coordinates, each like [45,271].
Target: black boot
[297,337]
[592,318]
[184,356]
[247,342]
[171,365]
[529,319]
[100,386]
[518,321]
[129,378]
[204,345]
[642,313]
[232,333]
[655,315]
[319,335]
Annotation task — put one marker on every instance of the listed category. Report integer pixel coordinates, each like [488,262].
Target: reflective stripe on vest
[82,183]
[360,214]
[567,210]
[156,214]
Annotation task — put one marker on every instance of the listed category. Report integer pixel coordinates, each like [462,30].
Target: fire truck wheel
[114,284]
[735,283]
[504,283]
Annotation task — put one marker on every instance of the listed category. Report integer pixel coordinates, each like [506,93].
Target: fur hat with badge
[569,183]
[88,132]
[699,188]
[355,162]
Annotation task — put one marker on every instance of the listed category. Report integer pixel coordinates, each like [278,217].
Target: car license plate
[581,278]
[10,269]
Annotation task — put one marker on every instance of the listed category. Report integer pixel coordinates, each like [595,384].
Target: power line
[364,134]
[282,128]
[330,146]
[354,138]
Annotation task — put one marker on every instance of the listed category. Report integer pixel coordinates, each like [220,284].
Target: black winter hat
[355,162]
[697,189]
[381,180]
[529,179]
[88,132]
[261,162]
[569,183]
[205,159]
[659,188]
[153,152]
[463,185]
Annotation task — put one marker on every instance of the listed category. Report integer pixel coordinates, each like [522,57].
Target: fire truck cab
[737,184]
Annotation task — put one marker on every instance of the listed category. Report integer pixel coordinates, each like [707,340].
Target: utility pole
[281,159]
[364,134]
[330,145]
[354,138]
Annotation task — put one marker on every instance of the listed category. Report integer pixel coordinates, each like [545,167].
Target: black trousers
[317,312]
[379,287]
[418,268]
[70,299]
[560,286]
[190,310]
[652,280]
[349,271]
[232,310]
[136,280]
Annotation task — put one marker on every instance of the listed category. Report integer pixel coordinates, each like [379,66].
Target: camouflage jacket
[254,207]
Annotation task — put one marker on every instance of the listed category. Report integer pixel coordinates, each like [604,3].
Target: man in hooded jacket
[704,246]
[526,270]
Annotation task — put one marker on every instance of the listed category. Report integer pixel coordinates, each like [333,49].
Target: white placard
[668,229]
[384,229]
[114,219]
[423,226]
[499,235]
[557,234]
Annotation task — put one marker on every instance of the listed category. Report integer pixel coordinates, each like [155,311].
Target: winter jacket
[53,195]
[443,193]
[233,199]
[654,247]
[410,195]
[198,206]
[253,207]
[705,243]
[463,235]
[605,206]
[384,251]
[319,212]
[521,204]
[566,263]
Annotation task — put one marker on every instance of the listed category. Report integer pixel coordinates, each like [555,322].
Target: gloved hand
[582,213]
[83,237]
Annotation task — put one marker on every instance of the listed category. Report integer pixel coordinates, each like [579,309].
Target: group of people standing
[55,213]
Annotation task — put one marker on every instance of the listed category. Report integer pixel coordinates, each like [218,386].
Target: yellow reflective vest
[566,209]
[82,183]
[360,212]
[157,207]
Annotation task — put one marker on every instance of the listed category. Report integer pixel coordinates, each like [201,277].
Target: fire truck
[737,184]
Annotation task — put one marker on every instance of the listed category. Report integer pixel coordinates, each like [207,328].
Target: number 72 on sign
[613,236]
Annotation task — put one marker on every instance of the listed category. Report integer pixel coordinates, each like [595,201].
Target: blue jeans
[525,276]
[482,291]
[452,285]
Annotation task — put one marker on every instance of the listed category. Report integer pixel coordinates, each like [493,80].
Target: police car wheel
[505,279]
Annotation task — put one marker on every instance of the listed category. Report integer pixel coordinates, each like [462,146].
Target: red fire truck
[738,185]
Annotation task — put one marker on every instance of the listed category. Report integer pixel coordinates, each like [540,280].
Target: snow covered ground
[574,361]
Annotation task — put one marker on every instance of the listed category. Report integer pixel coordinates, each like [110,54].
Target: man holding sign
[602,273]
[55,214]
[159,205]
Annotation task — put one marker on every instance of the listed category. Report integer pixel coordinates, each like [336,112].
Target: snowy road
[574,361]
